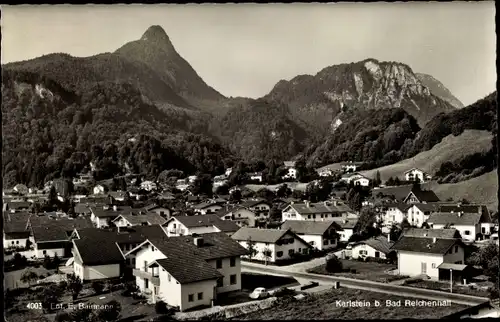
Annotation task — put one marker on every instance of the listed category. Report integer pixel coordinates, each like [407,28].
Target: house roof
[16,235]
[399,192]
[309,227]
[426,207]
[110,213]
[196,271]
[49,233]
[151,207]
[424,245]
[204,205]
[346,223]
[455,267]
[289,164]
[320,208]
[253,202]
[16,222]
[431,233]
[424,195]
[128,235]
[82,208]
[379,243]
[403,207]
[463,208]
[444,218]
[68,224]
[415,169]
[149,218]
[264,235]
[98,251]
[18,204]
[207,220]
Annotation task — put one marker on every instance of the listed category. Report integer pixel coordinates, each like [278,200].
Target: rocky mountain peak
[157,35]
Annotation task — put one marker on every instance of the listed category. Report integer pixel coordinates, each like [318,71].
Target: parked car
[259,293]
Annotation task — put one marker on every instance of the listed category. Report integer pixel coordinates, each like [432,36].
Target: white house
[96,259]
[228,171]
[49,241]
[188,271]
[347,224]
[472,221]
[425,256]
[256,176]
[207,208]
[356,179]
[315,211]
[198,224]
[322,235]
[148,185]
[325,172]
[394,214]
[129,220]
[376,247]
[182,184]
[350,166]
[418,175]
[243,217]
[271,245]
[192,179]
[154,208]
[99,189]
[103,216]
[291,170]
[419,213]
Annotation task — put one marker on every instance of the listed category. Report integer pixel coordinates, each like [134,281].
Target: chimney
[434,240]
[198,241]
[115,208]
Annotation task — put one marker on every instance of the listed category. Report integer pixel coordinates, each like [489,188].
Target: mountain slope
[437,88]
[368,84]
[451,148]
[156,50]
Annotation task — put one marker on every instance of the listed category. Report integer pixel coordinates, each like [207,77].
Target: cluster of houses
[188,260]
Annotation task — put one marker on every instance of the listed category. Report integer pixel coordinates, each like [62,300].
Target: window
[169,278]
[17,242]
[433,265]
[232,279]
[45,252]
[483,230]
[312,242]
[232,262]
[162,213]
[467,232]
[200,296]
[145,266]
[190,297]
[12,242]
[377,254]
[133,261]
[218,263]
[299,250]
[324,242]
[146,283]
[456,248]
[174,225]
[279,254]
[308,216]
[291,252]
[220,282]
[152,248]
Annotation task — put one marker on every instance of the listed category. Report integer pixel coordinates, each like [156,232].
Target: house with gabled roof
[198,224]
[257,205]
[95,259]
[103,216]
[188,271]
[15,231]
[347,224]
[239,215]
[316,211]
[431,257]
[394,214]
[128,220]
[472,221]
[417,195]
[449,233]
[417,175]
[418,213]
[375,247]
[291,170]
[322,235]
[271,245]
[208,207]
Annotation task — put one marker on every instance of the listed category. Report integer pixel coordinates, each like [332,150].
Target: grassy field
[364,270]
[482,189]
[322,306]
[444,286]
[449,149]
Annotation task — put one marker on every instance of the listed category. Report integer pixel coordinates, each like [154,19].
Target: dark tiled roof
[151,207]
[65,223]
[403,207]
[344,223]
[82,208]
[431,233]
[261,235]
[197,270]
[49,233]
[16,222]
[379,243]
[207,204]
[98,251]
[425,195]
[252,203]
[16,235]
[309,227]
[443,218]
[207,220]
[424,245]
[129,235]
[320,208]
[399,192]
[426,207]
[150,218]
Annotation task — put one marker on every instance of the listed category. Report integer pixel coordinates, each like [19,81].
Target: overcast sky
[244,50]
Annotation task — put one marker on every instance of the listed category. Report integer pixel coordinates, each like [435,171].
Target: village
[145,246]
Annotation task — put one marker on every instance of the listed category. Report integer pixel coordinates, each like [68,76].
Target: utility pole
[451,280]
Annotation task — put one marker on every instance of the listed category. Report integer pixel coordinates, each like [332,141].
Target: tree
[297,194]
[75,285]
[266,253]
[56,261]
[29,276]
[50,296]
[266,194]
[52,200]
[283,191]
[333,264]
[354,198]
[202,185]
[235,196]
[252,250]
[222,190]
[111,312]
[395,232]
[85,315]
[487,257]
[47,262]
[366,220]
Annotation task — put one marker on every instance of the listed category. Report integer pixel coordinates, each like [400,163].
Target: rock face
[438,89]
[368,84]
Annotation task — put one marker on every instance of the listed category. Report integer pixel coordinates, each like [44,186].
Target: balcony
[155,280]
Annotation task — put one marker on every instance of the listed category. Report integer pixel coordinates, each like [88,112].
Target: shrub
[98,287]
[161,307]
[284,291]
[333,264]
